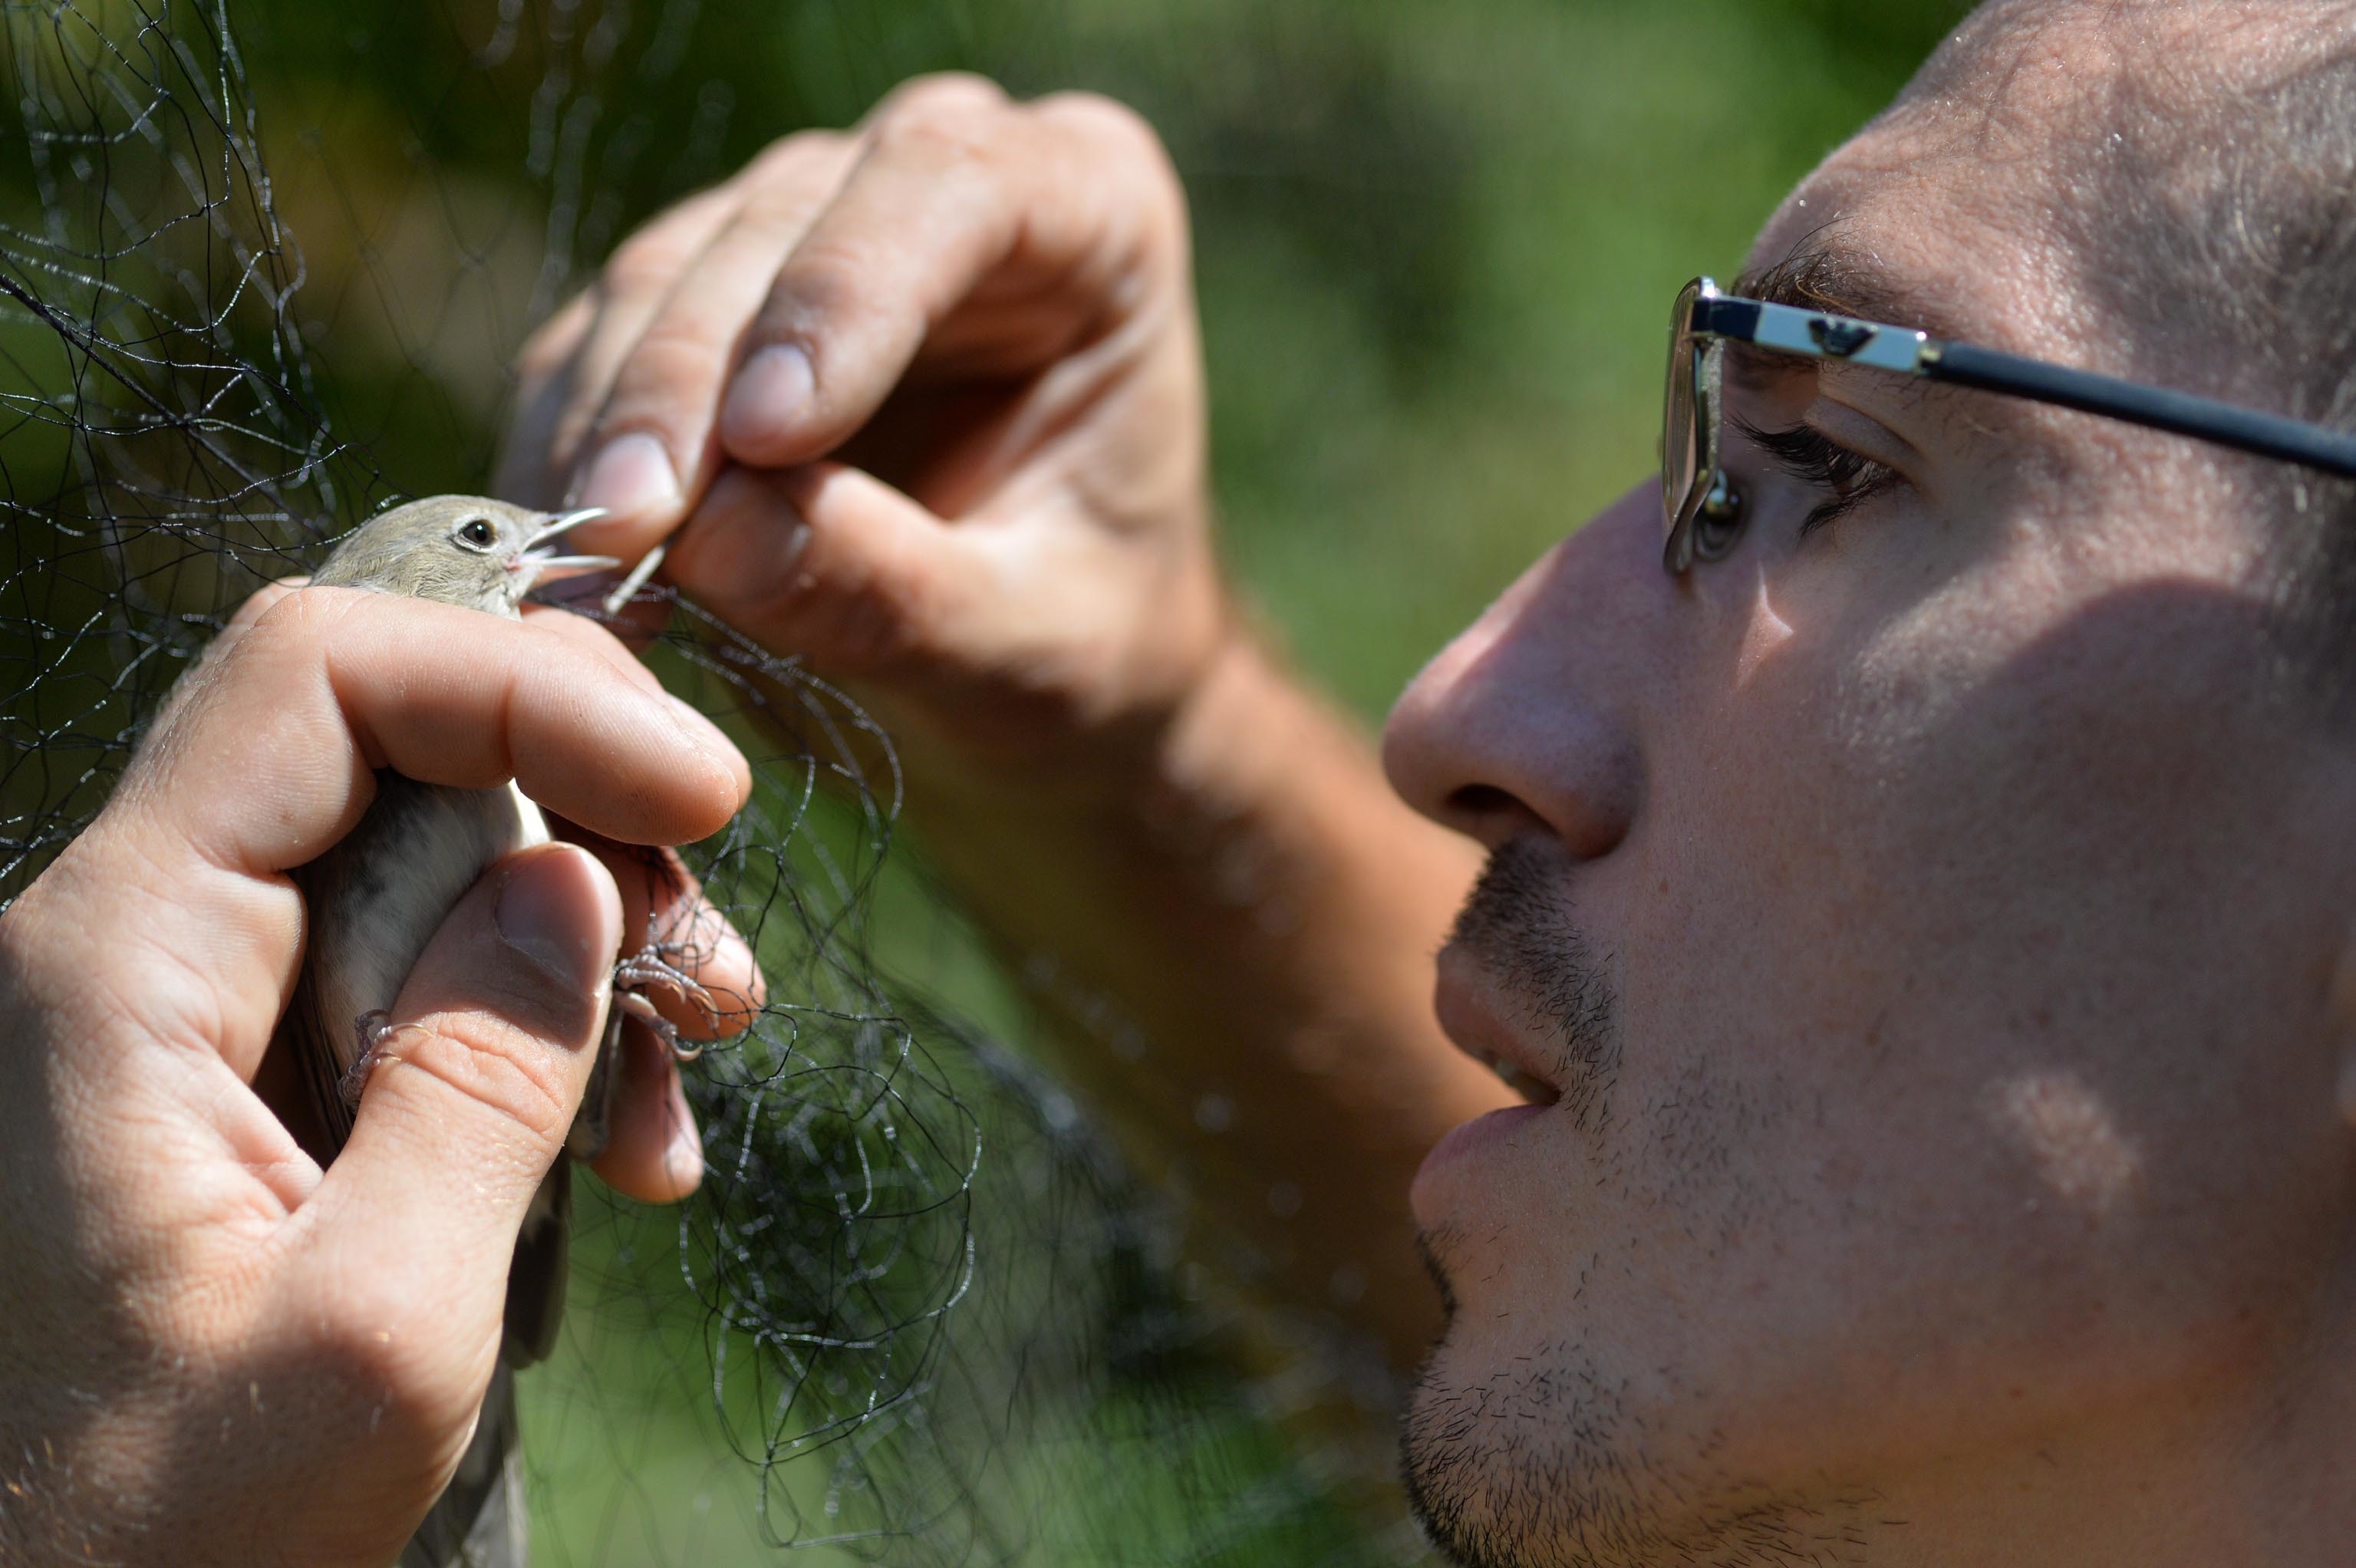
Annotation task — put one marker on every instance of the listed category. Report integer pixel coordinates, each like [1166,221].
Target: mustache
[1519,924]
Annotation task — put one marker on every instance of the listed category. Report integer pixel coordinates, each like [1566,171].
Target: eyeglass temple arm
[2227,424]
[1790,330]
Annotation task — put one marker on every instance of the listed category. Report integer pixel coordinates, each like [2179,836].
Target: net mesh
[263,270]
[915,1311]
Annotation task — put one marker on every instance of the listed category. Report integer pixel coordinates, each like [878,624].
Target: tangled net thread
[915,1269]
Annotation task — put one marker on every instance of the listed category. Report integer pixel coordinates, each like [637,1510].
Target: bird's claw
[649,967]
[375,1027]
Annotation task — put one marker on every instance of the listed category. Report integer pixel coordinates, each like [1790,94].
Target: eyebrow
[1826,273]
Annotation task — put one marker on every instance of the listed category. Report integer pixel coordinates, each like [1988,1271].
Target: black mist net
[916,1313]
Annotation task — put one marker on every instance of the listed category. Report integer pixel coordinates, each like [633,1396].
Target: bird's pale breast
[378,897]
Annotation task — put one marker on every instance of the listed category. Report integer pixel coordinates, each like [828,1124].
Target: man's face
[1927,919]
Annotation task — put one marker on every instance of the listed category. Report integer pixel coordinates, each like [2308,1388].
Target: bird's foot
[375,1027]
[652,967]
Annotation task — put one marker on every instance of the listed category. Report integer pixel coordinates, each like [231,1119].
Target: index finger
[271,757]
[1052,220]
[331,684]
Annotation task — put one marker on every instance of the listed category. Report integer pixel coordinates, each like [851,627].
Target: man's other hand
[210,1350]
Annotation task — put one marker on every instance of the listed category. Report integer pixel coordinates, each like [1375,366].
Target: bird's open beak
[545,564]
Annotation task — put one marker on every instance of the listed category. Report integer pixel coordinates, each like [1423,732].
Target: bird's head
[468,550]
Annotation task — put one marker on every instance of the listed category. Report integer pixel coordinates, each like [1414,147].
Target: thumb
[828,561]
[473,1089]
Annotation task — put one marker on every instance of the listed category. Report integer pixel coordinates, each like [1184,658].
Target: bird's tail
[480,1519]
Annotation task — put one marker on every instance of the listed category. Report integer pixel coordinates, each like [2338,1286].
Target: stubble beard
[1540,1463]
[1492,1465]
[1499,1470]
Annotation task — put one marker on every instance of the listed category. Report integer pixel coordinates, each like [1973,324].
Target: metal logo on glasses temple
[1839,338]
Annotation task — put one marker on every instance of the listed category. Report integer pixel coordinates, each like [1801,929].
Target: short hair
[2219,220]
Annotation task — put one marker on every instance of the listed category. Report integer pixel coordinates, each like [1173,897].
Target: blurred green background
[1435,239]
[1436,242]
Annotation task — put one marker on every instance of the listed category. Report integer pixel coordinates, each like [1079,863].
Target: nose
[1529,720]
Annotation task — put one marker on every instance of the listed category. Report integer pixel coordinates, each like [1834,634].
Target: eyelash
[1814,458]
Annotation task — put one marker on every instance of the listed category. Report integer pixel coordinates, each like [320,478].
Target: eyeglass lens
[1680,443]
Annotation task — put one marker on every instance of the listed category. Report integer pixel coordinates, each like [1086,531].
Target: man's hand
[980,313]
[211,1350]
[923,402]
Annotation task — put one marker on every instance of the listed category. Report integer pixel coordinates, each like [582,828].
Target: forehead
[1975,205]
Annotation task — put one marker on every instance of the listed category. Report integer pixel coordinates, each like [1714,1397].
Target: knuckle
[678,341]
[1124,153]
[790,159]
[824,282]
[368,1366]
[359,1347]
[492,1066]
[654,255]
[644,264]
[1096,119]
[950,91]
[677,357]
[827,266]
[777,211]
[948,119]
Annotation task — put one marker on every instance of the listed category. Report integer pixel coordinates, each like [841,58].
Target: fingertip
[653,1151]
[545,897]
[735,785]
[263,599]
[636,482]
[734,989]
[771,394]
[742,543]
[683,1151]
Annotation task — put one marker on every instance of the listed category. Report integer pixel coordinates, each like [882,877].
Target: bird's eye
[1719,524]
[476,533]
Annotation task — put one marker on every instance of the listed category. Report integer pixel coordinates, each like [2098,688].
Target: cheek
[1940,1058]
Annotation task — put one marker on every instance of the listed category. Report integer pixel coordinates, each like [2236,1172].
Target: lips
[1473,1015]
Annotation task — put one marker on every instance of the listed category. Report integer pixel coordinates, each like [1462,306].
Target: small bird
[374,901]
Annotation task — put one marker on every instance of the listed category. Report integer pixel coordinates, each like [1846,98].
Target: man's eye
[1718,523]
[1812,457]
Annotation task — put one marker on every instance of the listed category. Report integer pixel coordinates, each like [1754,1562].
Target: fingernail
[631,477]
[773,388]
[541,914]
[683,1155]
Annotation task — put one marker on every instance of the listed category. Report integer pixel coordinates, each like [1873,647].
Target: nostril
[1490,813]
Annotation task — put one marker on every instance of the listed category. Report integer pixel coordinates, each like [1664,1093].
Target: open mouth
[1536,1091]
[542,563]
[1473,1014]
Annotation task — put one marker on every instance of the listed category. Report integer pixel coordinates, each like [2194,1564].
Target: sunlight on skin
[2070,1135]
[2344,1012]
[1768,632]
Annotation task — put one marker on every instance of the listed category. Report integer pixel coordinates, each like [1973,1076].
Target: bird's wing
[374,901]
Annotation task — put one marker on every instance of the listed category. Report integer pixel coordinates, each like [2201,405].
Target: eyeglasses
[1701,508]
